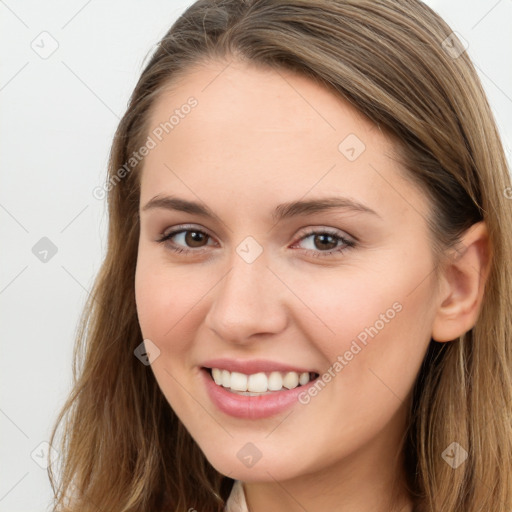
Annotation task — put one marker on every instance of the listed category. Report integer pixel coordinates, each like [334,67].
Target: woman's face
[298,248]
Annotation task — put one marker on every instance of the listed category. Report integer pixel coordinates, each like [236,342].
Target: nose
[249,301]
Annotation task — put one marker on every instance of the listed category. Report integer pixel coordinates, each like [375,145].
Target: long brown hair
[123,448]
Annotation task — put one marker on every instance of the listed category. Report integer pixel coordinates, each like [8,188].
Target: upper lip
[254,366]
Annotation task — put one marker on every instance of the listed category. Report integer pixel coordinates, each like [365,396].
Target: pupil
[193,238]
[323,239]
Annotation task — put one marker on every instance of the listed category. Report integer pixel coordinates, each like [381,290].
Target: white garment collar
[236,500]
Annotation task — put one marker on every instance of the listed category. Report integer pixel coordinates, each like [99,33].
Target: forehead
[253,100]
[264,131]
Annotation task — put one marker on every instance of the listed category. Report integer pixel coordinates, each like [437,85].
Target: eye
[326,242]
[189,239]
[323,243]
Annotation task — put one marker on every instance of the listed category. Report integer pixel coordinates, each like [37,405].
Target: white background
[58,118]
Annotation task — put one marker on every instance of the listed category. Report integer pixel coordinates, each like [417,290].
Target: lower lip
[251,407]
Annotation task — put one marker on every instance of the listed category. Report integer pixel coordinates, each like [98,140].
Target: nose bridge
[246,301]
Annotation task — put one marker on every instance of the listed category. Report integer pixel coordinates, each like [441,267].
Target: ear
[461,290]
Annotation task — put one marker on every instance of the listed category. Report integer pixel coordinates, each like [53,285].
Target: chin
[261,470]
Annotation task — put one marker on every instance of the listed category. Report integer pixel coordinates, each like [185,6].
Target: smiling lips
[254,389]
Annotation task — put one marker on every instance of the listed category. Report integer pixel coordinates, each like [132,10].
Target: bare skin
[256,139]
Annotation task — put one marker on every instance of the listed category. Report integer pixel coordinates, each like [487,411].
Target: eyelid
[329,230]
[185,227]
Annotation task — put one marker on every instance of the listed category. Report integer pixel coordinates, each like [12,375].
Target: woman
[304,301]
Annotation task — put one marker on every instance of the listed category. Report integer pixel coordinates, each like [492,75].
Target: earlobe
[464,276]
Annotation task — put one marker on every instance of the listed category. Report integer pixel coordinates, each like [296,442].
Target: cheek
[168,302]
[364,321]
[166,311]
[341,303]
[394,343]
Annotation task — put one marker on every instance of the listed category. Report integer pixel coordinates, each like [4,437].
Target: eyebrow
[281,211]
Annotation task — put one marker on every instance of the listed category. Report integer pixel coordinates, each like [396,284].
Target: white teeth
[226,378]
[259,382]
[303,378]
[291,380]
[238,381]
[217,376]
[275,381]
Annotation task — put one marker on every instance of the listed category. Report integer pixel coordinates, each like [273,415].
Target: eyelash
[347,244]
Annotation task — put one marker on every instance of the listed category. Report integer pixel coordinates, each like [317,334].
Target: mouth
[260,383]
